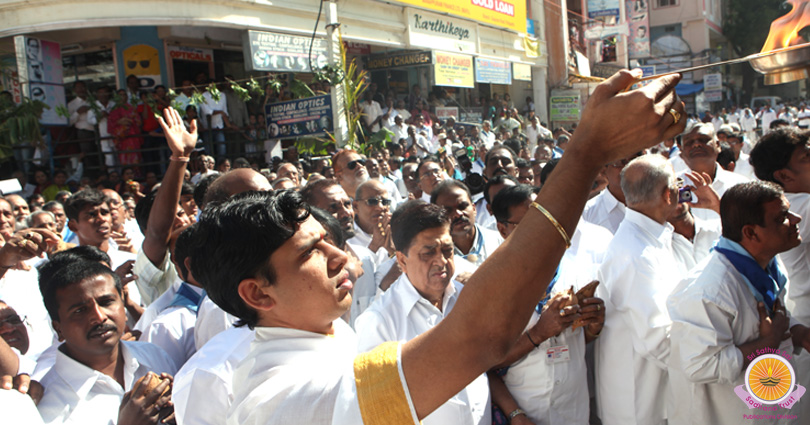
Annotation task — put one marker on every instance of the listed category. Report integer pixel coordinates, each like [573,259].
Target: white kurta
[20,290]
[690,253]
[297,377]
[712,310]
[203,387]
[485,243]
[744,168]
[638,274]
[173,331]
[365,288]
[604,210]
[76,394]
[402,314]
[211,320]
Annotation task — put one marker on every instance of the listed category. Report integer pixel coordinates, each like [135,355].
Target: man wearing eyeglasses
[14,333]
[350,170]
[372,228]
[428,174]
[607,208]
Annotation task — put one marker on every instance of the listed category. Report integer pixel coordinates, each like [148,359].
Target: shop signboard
[191,54]
[471,115]
[398,60]
[427,29]
[445,112]
[269,51]
[713,82]
[353,48]
[713,96]
[492,71]
[521,71]
[453,70]
[600,8]
[510,14]
[565,107]
[39,68]
[297,118]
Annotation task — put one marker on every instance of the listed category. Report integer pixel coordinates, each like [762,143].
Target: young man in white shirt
[215,112]
[422,296]
[290,285]
[94,368]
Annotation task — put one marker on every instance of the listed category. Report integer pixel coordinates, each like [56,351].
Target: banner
[453,70]
[492,71]
[564,108]
[600,8]
[427,29]
[397,60]
[521,71]
[510,14]
[445,112]
[297,118]
[39,69]
[638,19]
[271,51]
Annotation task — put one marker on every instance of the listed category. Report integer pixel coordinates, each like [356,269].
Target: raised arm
[477,334]
[181,143]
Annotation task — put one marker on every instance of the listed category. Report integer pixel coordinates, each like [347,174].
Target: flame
[770,370]
[785,30]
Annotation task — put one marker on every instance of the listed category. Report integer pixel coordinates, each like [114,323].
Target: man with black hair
[525,171]
[187,201]
[553,392]
[202,188]
[607,209]
[731,307]
[94,367]
[499,160]
[428,174]
[422,296]
[491,188]
[471,241]
[60,218]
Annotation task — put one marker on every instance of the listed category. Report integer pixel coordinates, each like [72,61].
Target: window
[665,3]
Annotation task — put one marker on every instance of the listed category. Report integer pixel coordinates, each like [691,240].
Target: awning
[685,89]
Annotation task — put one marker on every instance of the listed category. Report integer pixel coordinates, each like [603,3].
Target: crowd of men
[397,286]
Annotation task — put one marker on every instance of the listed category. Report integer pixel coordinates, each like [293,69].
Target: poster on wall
[297,118]
[143,61]
[492,71]
[269,51]
[638,19]
[39,72]
[52,95]
[453,70]
[564,107]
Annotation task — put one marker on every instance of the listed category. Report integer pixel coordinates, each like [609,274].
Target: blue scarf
[767,282]
[542,303]
[188,298]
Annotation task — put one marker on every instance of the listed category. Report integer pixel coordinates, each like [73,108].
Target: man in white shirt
[429,173]
[79,110]
[400,129]
[803,117]
[297,287]
[637,275]
[766,116]
[607,208]
[372,112]
[402,112]
[486,135]
[215,113]
[181,102]
[418,142]
[105,105]
[388,114]
[693,238]
[748,123]
[372,228]
[730,309]
[553,391]
[699,150]
[350,170]
[470,241]
[421,298]
[499,160]
[743,166]
[94,368]
[536,132]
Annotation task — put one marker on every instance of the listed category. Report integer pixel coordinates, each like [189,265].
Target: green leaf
[255,87]
[214,92]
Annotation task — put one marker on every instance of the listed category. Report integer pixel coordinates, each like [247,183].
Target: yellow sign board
[453,70]
[502,13]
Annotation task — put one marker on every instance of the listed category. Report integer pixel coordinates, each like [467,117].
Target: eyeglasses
[353,164]
[428,173]
[12,320]
[373,202]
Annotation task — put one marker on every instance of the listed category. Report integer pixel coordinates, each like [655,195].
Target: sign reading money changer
[398,60]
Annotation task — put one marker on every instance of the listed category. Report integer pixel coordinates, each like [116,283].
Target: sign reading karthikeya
[440,32]
[453,70]
[297,118]
[509,14]
[269,51]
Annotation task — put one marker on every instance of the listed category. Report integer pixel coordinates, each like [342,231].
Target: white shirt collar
[82,378]
[410,296]
[660,232]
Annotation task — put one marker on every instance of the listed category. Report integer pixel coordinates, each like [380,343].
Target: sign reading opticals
[191,54]
[441,32]
[492,71]
[398,60]
[271,51]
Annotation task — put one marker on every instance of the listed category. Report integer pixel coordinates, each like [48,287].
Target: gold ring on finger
[675,115]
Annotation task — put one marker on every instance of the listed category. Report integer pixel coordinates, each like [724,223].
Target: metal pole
[338,91]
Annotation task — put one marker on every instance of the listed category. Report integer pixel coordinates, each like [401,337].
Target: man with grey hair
[638,273]
[486,134]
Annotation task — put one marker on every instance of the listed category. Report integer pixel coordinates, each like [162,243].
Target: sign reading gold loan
[509,14]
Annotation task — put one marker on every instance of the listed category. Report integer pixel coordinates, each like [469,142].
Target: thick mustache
[460,220]
[100,329]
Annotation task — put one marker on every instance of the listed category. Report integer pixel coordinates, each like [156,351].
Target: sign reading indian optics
[453,70]
[440,32]
[297,118]
[509,14]
[493,72]
[271,51]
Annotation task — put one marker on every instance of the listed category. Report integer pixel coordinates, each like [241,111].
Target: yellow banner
[453,70]
[502,13]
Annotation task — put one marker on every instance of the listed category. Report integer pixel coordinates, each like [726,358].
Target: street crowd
[623,271]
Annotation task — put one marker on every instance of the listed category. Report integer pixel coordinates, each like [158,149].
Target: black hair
[187,189]
[726,155]
[744,204]
[202,188]
[496,180]
[509,197]
[411,218]
[182,249]
[51,205]
[429,158]
[240,235]
[62,272]
[773,151]
[143,209]
[447,185]
[522,163]
[318,186]
[547,169]
[331,224]
[79,200]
